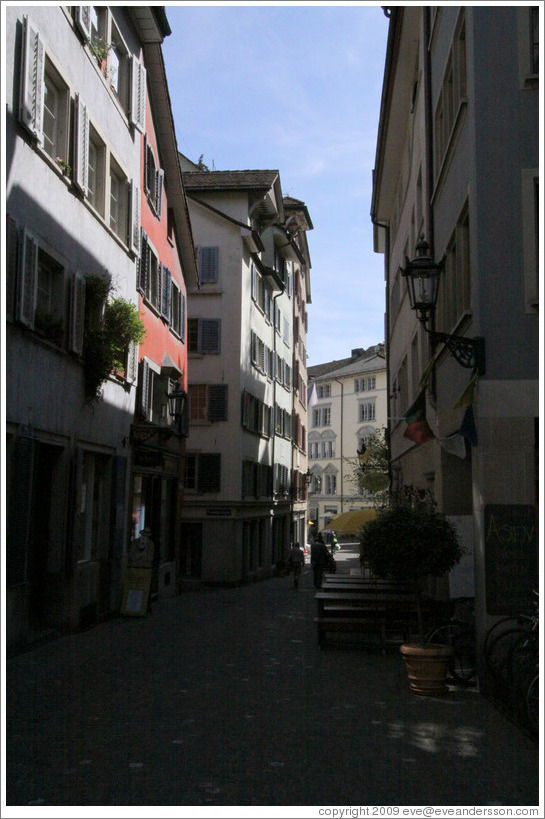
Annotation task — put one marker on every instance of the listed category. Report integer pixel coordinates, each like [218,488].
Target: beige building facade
[347,405]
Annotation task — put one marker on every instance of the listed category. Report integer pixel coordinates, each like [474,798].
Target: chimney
[358,351]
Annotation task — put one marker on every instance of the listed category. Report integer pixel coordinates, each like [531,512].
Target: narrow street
[221,697]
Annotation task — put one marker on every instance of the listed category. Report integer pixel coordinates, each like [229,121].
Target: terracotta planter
[427,668]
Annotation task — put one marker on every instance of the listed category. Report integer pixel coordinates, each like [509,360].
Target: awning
[350,523]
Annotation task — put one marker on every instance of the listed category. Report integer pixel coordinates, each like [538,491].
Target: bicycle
[502,637]
[512,660]
[459,632]
[532,704]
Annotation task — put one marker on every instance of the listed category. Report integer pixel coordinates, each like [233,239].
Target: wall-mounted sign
[511,558]
[219,511]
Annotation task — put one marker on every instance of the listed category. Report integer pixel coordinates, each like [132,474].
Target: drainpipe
[274,406]
[428,153]
[342,445]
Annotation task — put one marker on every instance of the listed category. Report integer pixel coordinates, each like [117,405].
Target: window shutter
[77,313]
[138,97]
[12,255]
[132,363]
[31,102]
[135,218]
[209,472]
[210,335]
[144,388]
[83,20]
[159,192]
[28,281]
[146,164]
[208,258]
[254,281]
[81,152]
[166,286]
[217,402]
[182,317]
[143,264]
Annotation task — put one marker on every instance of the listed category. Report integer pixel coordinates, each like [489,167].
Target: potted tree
[409,541]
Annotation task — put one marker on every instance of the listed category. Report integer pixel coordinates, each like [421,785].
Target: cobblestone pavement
[221,697]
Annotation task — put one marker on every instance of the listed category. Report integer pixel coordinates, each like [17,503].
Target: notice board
[511,558]
[136,592]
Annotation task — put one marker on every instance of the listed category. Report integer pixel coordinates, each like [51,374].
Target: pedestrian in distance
[296,561]
[319,559]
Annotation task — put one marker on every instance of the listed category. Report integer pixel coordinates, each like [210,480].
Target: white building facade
[244,492]
[347,406]
[75,115]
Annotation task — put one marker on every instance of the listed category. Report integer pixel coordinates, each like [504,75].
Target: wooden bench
[357,611]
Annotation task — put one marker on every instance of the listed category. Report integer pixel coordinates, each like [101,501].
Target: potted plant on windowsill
[100,48]
[409,541]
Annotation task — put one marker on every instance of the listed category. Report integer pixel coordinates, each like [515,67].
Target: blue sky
[295,88]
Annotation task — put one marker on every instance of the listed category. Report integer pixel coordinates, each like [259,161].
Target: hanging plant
[111,325]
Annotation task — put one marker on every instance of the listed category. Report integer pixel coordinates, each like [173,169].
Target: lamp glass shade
[176,402]
[423,287]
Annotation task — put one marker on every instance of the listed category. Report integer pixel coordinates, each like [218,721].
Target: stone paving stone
[221,697]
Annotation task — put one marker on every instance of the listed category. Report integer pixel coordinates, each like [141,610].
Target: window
[208,264]
[330,481]
[204,336]
[44,106]
[118,67]
[323,390]
[153,388]
[42,298]
[177,315]
[96,167]
[256,415]
[94,503]
[534,39]
[530,237]
[55,114]
[321,417]
[454,296]
[366,411]
[452,96]
[156,283]
[123,72]
[153,179]
[208,402]
[365,384]
[203,472]
[118,201]
[96,171]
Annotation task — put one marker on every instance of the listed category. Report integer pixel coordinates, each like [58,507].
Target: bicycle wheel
[462,639]
[465,656]
[499,648]
[532,704]
[503,625]
[521,665]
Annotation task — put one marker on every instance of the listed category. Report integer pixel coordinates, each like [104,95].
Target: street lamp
[422,274]
[177,399]
[308,477]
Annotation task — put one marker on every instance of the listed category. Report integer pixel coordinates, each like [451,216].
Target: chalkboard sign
[511,558]
[136,592]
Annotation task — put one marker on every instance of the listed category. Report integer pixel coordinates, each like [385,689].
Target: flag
[312,395]
[454,444]
[418,429]
[468,428]
[428,369]
[466,398]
